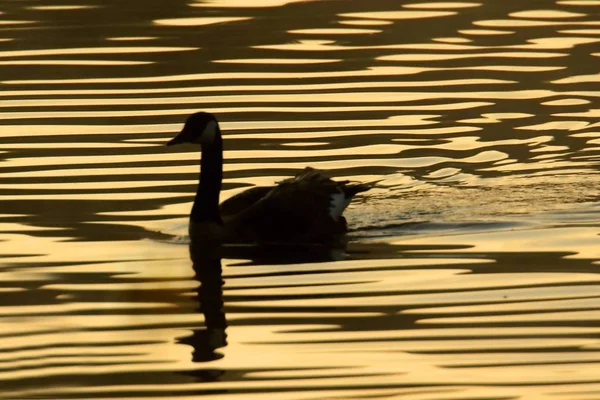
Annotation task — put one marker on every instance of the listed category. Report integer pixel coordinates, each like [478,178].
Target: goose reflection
[208,272]
[206,257]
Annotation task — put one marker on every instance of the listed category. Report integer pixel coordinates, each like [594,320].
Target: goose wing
[304,208]
[243,200]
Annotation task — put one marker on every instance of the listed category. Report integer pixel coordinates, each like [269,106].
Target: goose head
[200,128]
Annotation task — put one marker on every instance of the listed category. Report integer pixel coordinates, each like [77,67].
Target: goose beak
[173,141]
[182,137]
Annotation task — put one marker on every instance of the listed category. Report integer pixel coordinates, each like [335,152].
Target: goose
[306,208]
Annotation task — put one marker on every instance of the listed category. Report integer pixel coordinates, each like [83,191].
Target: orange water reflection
[470,270]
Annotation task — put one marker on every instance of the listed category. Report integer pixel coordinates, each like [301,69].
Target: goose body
[306,208]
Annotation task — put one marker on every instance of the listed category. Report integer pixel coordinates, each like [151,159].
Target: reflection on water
[208,272]
[471,266]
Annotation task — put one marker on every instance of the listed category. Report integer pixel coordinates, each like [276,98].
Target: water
[471,267]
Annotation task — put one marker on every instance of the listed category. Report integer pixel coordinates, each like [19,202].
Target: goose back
[305,208]
[243,200]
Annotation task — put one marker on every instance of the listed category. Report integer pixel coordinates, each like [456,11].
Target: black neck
[206,204]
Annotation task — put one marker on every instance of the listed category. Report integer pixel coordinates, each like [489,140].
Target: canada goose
[306,208]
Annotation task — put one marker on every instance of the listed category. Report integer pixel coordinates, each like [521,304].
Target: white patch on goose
[209,134]
[337,204]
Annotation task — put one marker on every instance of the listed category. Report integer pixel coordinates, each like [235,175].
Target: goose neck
[206,203]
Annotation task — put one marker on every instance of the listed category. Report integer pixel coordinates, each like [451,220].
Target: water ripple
[471,265]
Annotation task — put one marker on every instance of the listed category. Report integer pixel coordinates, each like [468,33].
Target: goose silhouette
[304,209]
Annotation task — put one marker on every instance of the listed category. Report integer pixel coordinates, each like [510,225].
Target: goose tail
[352,189]
[339,201]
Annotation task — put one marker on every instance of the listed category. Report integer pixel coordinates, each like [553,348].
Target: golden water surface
[471,271]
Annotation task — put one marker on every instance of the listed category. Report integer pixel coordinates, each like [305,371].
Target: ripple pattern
[472,267]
